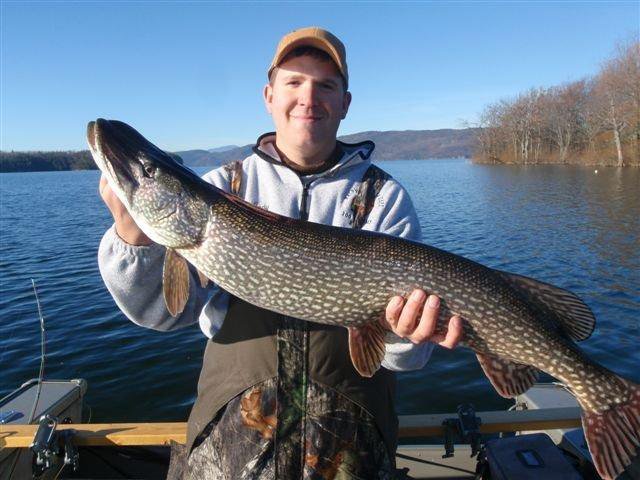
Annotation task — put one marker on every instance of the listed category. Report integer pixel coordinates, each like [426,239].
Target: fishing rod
[40,373]
[42,354]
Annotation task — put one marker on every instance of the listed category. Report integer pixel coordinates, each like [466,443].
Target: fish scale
[330,275]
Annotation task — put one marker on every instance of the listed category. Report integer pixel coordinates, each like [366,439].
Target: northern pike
[340,276]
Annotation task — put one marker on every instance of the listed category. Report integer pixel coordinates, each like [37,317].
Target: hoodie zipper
[304,212]
[304,201]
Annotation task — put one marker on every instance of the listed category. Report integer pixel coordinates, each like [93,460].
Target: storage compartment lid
[55,397]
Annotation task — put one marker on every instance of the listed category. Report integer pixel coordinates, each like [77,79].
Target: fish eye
[149,169]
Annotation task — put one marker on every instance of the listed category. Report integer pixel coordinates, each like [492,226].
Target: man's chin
[313,142]
[307,137]
[316,131]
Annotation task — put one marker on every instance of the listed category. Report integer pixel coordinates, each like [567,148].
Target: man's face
[307,101]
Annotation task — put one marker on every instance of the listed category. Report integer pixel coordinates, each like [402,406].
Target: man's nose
[308,94]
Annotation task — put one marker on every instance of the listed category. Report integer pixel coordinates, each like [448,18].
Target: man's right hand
[126,227]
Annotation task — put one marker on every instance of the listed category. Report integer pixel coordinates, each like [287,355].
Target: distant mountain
[418,144]
[224,148]
[195,157]
[390,145]
[205,158]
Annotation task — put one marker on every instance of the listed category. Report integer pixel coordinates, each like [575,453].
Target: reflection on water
[564,225]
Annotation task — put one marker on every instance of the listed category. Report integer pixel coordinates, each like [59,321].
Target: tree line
[52,161]
[592,121]
[46,161]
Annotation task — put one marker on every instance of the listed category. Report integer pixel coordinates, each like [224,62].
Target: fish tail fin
[613,435]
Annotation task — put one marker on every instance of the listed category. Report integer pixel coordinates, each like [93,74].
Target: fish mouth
[91,135]
[116,153]
[118,149]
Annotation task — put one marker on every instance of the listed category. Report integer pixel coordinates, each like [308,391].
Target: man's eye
[293,82]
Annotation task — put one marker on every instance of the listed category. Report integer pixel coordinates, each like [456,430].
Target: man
[279,397]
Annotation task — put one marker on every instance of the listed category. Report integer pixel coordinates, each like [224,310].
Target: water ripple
[563,225]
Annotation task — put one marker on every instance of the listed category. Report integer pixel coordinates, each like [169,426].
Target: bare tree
[618,84]
[592,123]
[563,115]
[491,135]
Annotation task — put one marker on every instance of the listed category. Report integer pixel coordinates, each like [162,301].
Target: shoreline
[608,165]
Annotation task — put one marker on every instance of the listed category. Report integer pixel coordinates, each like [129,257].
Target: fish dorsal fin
[508,378]
[366,347]
[572,314]
[266,214]
[175,282]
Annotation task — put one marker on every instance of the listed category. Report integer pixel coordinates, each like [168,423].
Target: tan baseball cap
[313,37]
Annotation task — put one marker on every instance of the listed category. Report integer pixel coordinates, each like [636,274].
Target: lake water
[567,225]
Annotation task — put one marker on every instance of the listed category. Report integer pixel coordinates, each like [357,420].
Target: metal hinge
[466,426]
[48,444]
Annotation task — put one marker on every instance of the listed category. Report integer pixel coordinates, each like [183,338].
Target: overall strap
[372,182]
[235,171]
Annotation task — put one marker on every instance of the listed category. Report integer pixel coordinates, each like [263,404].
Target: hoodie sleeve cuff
[122,248]
[402,355]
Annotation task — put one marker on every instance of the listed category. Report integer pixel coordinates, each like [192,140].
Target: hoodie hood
[352,154]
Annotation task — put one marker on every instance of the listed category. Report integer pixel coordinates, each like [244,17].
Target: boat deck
[459,467]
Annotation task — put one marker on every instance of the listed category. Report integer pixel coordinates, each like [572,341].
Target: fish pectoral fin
[507,377]
[571,314]
[175,282]
[204,281]
[366,347]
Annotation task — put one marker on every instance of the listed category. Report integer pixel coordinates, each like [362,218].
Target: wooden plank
[102,434]
[127,434]
[495,422]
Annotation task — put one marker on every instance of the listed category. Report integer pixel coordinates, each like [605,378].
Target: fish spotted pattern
[516,325]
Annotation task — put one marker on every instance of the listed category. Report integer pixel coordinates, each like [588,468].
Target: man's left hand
[405,320]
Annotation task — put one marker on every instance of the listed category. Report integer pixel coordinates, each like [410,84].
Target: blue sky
[190,74]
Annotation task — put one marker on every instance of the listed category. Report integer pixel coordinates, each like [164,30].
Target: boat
[42,436]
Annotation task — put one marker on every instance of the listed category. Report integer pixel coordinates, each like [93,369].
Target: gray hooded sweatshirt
[133,274]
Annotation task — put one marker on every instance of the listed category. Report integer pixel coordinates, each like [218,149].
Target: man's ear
[267,95]
[346,101]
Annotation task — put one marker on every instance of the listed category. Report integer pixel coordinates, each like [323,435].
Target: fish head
[163,197]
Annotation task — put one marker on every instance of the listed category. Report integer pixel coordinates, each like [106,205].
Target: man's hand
[126,227]
[404,319]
